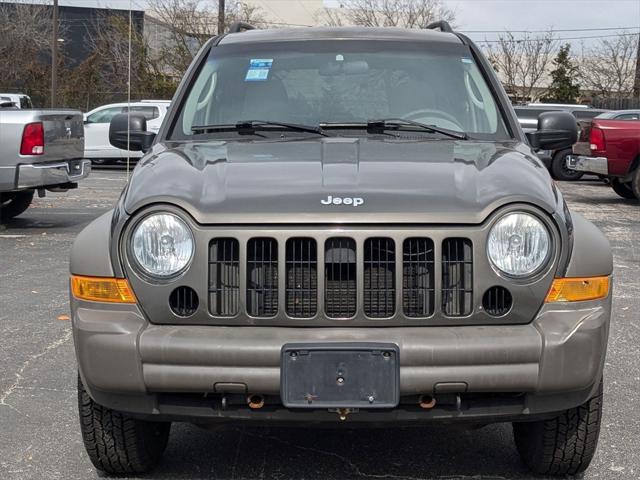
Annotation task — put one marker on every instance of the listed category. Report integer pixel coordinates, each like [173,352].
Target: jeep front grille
[418,289]
[336,277]
[262,277]
[457,277]
[379,277]
[340,294]
[301,288]
[224,277]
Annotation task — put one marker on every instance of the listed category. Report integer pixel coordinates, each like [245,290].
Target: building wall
[289,12]
[77,24]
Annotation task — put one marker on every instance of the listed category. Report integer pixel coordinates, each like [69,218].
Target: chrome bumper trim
[599,165]
[41,175]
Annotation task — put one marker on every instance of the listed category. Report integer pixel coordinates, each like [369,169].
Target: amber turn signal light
[578,289]
[102,289]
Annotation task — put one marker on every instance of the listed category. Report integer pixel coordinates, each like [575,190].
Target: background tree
[522,63]
[103,76]
[608,69]
[563,89]
[25,46]
[387,13]
[183,26]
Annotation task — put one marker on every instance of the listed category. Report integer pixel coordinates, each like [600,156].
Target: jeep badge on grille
[331,200]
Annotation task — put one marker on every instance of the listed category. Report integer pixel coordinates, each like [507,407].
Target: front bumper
[551,364]
[599,165]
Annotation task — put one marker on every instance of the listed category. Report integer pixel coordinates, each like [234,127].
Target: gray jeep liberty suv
[341,226]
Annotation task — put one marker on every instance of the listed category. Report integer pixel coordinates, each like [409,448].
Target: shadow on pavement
[434,452]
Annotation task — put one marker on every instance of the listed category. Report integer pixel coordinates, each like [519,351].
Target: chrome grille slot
[262,277]
[340,294]
[379,277]
[301,290]
[418,287]
[224,277]
[457,277]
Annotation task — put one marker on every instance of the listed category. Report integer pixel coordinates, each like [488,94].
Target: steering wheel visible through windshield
[341,82]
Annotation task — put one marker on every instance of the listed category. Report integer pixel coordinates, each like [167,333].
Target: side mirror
[556,130]
[139,139]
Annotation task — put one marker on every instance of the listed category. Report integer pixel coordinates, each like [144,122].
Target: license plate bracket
[340,375]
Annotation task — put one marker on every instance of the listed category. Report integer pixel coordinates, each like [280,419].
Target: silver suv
[341,225]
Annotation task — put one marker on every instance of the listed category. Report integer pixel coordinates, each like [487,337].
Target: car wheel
[559,168]
[635,183]
[13,204]
[623,189]
[563,445]
[116,443]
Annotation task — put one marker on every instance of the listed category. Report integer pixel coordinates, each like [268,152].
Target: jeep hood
[400,181]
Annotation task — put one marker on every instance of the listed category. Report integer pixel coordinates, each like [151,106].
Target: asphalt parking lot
[39,433]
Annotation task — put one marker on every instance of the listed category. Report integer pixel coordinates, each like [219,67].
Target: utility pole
[220,17]
[54,55]
[636,82]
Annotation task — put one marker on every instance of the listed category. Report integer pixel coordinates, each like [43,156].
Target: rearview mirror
[355,67]
[129,132]
[556,130]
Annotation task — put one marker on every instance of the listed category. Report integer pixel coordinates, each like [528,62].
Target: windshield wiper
[251,126]
[402,123]
[395,124]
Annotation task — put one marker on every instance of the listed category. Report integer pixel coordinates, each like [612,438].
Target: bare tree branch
[185,25]
[523,63]
[608,69]
[387,13]
[25,33]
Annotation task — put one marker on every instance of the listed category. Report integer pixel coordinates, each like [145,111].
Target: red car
[609,145]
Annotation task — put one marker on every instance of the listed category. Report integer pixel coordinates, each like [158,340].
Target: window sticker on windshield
[466,60]
[258,69]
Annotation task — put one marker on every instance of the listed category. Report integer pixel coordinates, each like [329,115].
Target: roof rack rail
[440,24]
[238,27]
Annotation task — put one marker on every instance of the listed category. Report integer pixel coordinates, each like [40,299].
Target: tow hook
[255,402]
[427,402]
[343,412]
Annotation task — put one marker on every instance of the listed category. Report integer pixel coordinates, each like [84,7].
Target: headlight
[519,244]
[162,245]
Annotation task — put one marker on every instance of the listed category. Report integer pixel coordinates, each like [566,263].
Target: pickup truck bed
[39,149]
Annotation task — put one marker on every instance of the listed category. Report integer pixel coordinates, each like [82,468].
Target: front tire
[13,204]
[559,168]
[625,190]
[116,443]
[100,162]
[563,445]
[635,183]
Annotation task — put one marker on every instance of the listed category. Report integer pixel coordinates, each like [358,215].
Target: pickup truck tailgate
[581,147]
[60,162]
[63,135]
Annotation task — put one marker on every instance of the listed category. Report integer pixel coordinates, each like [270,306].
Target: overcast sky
[508,15]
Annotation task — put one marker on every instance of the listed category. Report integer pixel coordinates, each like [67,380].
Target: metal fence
[616,103]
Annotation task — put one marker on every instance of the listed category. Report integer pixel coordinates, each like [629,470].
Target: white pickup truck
[40,150]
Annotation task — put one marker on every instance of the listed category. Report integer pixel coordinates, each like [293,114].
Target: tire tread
[116,443]
[563,445]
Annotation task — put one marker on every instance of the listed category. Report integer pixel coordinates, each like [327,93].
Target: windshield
[341,82]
